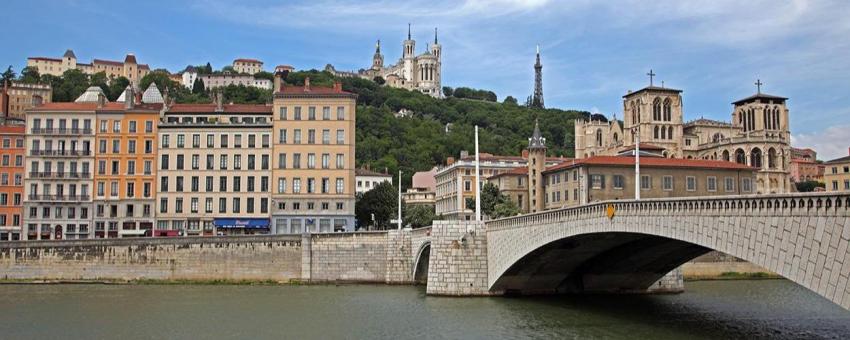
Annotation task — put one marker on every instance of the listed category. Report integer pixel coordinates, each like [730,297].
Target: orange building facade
[125,171]
[11,181]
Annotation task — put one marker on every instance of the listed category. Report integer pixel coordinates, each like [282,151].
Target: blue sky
[593,51]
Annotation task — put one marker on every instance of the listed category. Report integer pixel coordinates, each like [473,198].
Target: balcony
[59,198]
[59,175]
[61,131]
[60,153]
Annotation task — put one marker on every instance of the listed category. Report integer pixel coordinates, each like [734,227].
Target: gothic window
[766,115]
[598,137]
[771,158]
[717,137]
[616,137]
[668,112]
[669,132]
[740,157]
[655,134]
[726,155]
[776,118]
[663,132]
[755,158]
[656,109]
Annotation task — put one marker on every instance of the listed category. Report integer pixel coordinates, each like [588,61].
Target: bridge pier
[458,259]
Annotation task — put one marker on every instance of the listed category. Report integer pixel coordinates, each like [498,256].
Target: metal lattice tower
[537,98]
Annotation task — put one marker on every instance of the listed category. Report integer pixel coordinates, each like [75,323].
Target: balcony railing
[60,131]
[60,153]
[60,198]
[60,175]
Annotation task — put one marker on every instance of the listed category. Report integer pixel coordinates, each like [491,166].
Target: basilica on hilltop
[757,135]
[413,72]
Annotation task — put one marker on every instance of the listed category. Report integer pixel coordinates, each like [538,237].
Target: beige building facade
[214,169]
[837,174]
[129,68]
[249,66]
[22,97]
[314,159]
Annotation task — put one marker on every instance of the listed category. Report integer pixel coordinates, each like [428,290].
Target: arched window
[740,157]
[776,118]
[771,158]
[655,135]
[755,158]
[725,155]
[668,111]
[717,137]
[669,132]
[656,109]
[616,137]
[766,115]
[598,137]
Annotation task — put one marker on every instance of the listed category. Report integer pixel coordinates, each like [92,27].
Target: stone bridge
[627,246]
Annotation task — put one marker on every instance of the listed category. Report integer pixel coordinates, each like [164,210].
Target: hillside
[419,142]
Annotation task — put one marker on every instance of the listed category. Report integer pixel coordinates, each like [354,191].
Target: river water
[709,310]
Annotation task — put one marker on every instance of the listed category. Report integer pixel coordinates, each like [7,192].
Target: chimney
[129,98]
[277,82]
[101,100]
[464,154]
[219,101]
[306,84]
[450,160]
[337,87]
[524,153]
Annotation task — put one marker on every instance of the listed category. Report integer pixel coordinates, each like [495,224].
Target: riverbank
[725,270]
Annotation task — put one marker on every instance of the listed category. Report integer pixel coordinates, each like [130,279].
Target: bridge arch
[421,263]
[802,237]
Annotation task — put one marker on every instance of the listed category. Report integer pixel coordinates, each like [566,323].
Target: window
[281,136]
[252,141]
[131,167]
[252,162]
[132,126]
[222,205]
[196,162]
[148,126]
[326,161]
[340,136]
[237,183]
[619,182]
[163,205]
[131,146]
[249,205]
[179,183]
[297,113]
[746,185]
[148,146]
[340,161]
[210,140]
[340,185]
[340,113]
[163,184]
[711,183]
[311,136]
[597,181]
[264,162]
[236,205]
[237,162]
[311,161]
[296,161]
[116,126]
[283,113]
[251,181]
[131,189]
[181,140]
[691,183]
[224,143]
[326,136]
[281,185]
[165,139]
[311,113]
[667,183]
[210,164]
[222,183]
[223,162]
[179,162]
[208,205]
[730,184]
[102,146]
[178,205]
[237,141]
[265,140]
[195,183]
[296,185]
[296,139]
[311,185]
[164,162]
[193,205]
[326,183]
[281,161]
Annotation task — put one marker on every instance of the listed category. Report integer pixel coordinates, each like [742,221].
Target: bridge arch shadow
[421,263]
[609,262]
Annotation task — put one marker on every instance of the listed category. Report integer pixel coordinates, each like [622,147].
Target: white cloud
[830,144]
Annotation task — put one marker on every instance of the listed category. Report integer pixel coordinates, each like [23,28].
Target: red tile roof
[12,129]
[656,162]
[248,60]
[110,106]
[231,108]
[45,58]
[518,171]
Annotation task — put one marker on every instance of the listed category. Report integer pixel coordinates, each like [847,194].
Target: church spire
[536,141]
[378,47]
[435,36]
[408,31]
[537,98]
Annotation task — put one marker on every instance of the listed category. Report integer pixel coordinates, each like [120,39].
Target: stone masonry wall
[458,267]
[191,258]
[348,257]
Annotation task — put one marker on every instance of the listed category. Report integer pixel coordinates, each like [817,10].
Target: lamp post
[477,180]
[637,162]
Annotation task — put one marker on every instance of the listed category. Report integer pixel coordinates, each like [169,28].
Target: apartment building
[249,66]
[837,174]
[214,170]
[11,179]
[21,97]
[367,179]
[125,178]
[58,176]
[314,136]
[129,68]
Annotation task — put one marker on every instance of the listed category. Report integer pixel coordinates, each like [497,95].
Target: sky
[592,52]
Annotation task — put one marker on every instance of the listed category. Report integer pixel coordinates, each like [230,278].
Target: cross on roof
[758,85]
[651,75]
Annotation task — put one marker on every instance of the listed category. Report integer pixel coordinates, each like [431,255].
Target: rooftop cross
[758,86]
[651,75]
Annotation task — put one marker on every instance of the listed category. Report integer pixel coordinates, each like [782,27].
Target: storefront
[241,226]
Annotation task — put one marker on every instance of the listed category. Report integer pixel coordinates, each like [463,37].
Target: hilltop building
[413,72]
[129,68]
[247,66]
[20,97]
[758,134]
[368,179]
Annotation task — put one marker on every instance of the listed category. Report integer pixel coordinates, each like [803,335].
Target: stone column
[458,263]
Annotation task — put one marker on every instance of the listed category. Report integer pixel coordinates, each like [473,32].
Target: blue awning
[244,223]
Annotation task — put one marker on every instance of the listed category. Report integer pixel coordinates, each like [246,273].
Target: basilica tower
[378,58]
[408,56]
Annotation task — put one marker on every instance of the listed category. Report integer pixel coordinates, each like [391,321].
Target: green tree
[419,216]
[162,81]
[7,76]
[809,186]
[228,69]
[509,100]
[30,75]
[72,84]
[198,86]
[379,80]
[117,87]
[380,202]
[506,208]
[494,203]
[447,91]
[264,75]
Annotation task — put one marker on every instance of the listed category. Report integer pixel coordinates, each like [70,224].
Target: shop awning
[244,223]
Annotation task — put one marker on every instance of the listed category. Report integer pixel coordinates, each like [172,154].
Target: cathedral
[413,72]
[758,134]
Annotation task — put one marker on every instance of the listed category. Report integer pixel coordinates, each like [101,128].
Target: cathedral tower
[408,56]
[537,98]
[536,165]
[656,113]
[436,49]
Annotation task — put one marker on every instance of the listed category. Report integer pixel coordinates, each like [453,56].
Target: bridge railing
[802,203]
